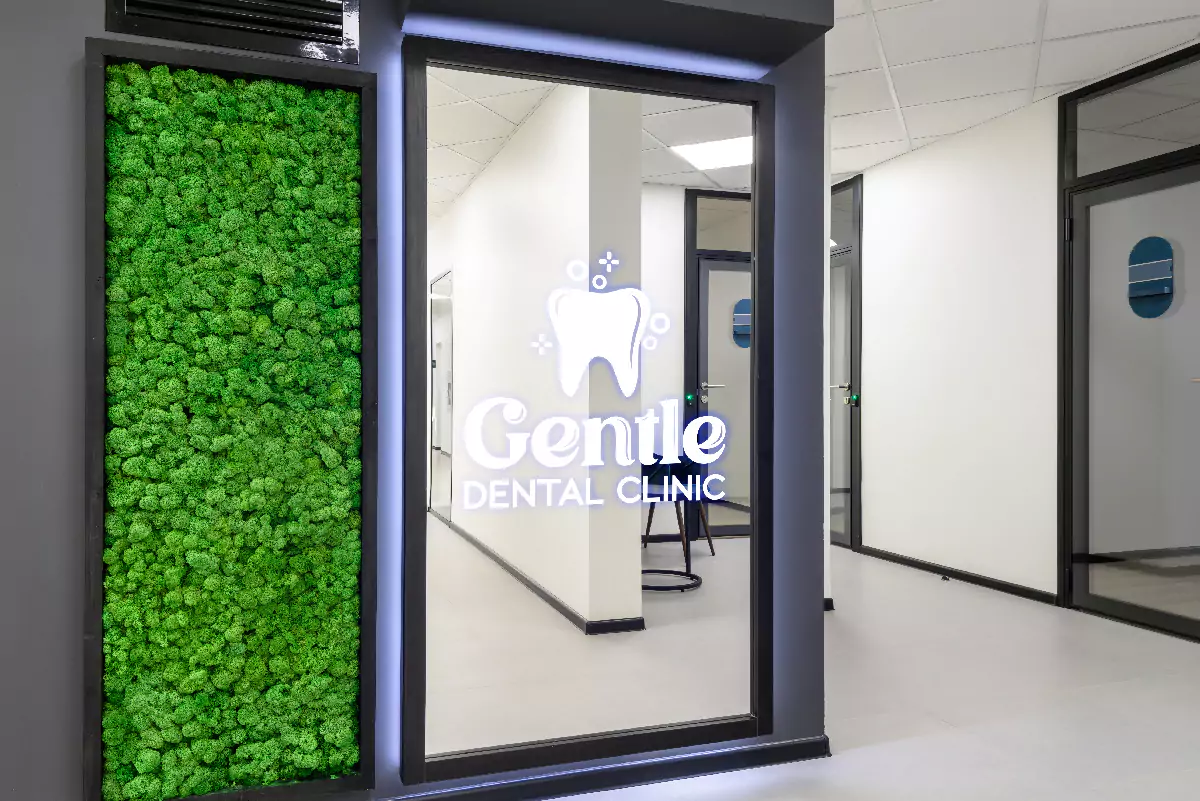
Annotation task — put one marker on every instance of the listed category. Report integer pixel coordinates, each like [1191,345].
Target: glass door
[844,398]
[1136,402]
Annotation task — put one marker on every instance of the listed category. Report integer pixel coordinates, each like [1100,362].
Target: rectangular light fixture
[715,155]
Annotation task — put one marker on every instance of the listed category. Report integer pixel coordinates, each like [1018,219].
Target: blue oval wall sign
[743,314]
[1151,277]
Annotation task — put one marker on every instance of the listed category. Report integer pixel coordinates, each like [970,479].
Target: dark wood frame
[416,766]
[99,53]
[1076,194]
[117,21]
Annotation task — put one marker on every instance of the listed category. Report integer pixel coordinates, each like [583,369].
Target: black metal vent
[312,28]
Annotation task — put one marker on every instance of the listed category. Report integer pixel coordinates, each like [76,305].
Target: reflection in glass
[1144,400]
[1152,117]
[843,236]
[557,352]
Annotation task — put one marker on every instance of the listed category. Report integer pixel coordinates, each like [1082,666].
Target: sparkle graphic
[660,323]
[542,344]
[609,262]
[577,270]
[599,282]
[650,343]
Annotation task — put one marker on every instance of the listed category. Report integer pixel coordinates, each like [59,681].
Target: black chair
[656,474]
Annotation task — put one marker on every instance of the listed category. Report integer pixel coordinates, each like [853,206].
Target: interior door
[1136,391]
[842,398]
[726,337]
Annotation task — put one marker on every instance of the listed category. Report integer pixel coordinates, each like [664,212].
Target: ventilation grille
[305,20]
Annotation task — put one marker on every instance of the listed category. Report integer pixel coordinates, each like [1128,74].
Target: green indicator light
[690,398]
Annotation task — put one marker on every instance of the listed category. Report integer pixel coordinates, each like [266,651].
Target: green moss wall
[231,607]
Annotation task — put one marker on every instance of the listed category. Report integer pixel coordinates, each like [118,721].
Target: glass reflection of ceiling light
[436,296]
[715,155]
[832,244]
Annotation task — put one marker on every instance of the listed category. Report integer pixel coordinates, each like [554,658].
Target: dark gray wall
[41,385]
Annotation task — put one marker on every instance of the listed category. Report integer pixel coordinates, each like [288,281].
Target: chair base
[693,581]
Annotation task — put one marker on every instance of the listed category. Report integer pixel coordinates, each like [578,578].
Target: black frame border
[416,767]
[1075,194]
[116,20]
[855,185]
[99,53]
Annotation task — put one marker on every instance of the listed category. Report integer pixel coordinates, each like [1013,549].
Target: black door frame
[854,508]
[1076,195]
[416,766]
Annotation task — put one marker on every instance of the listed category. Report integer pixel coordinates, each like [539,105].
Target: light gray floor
[505,668]
[941,691]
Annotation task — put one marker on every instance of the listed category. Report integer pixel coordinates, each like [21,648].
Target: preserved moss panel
[232,544]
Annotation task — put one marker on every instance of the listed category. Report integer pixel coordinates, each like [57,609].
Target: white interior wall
[566,187]
[959,311]
[507,260]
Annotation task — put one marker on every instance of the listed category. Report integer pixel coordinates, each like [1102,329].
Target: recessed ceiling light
[715,155]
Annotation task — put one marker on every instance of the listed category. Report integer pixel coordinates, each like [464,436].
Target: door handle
[841,386]
[706,385]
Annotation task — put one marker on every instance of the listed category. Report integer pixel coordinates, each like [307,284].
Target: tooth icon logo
[599,325]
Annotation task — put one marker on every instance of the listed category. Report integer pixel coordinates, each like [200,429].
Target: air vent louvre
[306,20]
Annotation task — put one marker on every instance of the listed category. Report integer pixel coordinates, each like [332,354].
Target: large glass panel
[842,262]
[1144,401]
[1152,117]
[558,410]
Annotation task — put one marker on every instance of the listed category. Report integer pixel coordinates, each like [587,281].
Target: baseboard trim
[828,604]
[961,575]
[618,626]
[653,771]
[552,600]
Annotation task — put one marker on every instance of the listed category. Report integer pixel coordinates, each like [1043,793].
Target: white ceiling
[905,73]
[472,115]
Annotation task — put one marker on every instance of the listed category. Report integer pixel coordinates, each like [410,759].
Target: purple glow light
[567,44]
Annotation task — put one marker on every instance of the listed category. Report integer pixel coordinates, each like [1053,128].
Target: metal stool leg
[649,523]
[707,531]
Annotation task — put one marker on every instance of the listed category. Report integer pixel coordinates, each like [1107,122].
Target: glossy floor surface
[942,691]
[506,668]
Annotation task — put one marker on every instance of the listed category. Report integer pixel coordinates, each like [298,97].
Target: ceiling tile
[515,107]
[968,75]
[857,159]
[439,94]
[445,162]
[1099,150]
[848,8]
[694,179]
[952,27]
[865,129]
[1181,82]
[1180,125]
[439,195]
[455,184]
[939,119]
[1042,92]
[733,177]
[663,162]
[482,151]
[1073,17]
[466,122]
[649,142]
[850,46]
[925,140]
[483,84]
[1086,58]
[438,209]
[1125,107]
[858,92]
[658,104]
[707,124]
